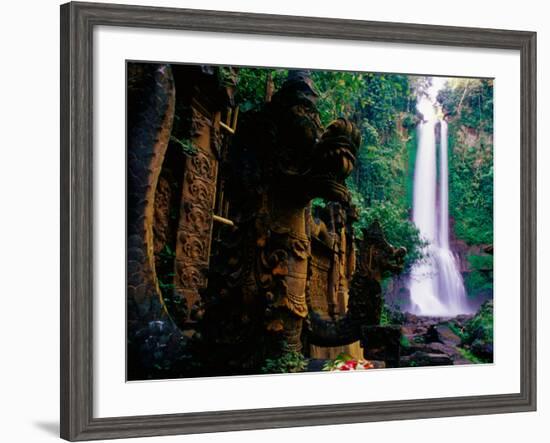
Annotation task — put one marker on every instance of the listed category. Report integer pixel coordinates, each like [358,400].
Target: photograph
[286,221]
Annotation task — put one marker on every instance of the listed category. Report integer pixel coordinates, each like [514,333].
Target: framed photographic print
[273,221]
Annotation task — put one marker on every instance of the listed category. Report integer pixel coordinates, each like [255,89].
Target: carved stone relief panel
[197,203]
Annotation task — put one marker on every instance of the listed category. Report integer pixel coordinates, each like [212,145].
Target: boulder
[382,343]
[421,358]
[441,334]
[483,350]
[432,335]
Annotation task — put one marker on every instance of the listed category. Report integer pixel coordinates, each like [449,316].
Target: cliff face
[476,267]
[471,204]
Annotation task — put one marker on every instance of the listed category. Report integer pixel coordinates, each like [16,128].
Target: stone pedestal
[382,343]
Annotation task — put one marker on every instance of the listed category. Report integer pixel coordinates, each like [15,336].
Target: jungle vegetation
[383,107]
[469,106]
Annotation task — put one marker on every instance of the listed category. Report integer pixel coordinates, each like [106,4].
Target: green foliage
[288,362]
[165,277]
[409,122]
[318,203]
[469,103]
[384,317]
[393,218]
[479,327]
[186,145]
[340,359]
[340,93]
[166,280]
[469,355]
[371,100]
[404,341]
[251,85]
[458,330]
[480,276]
[471,194]
[409,185]
[391,316]
[481,261]
[476,335]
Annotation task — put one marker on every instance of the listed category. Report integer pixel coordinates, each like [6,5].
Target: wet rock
[440,348]
[421,358]
[433,341]
[382,343]
[461,320]
[443,334]
[483,350]
[432,335]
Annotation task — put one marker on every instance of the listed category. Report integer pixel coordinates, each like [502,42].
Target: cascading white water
[436,286]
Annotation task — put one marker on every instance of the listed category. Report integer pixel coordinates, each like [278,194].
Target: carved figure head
[334,158]
[283,145]
[376,257]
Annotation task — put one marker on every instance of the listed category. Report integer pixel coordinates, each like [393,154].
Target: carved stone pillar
[194,230]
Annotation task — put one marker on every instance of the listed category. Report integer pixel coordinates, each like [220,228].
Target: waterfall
[436,285]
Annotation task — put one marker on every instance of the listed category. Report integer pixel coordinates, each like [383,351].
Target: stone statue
[377,259]
[277,262]
[229,264]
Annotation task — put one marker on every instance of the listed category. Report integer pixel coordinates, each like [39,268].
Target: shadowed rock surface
[432,342]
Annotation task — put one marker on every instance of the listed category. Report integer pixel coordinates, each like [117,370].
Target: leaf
[186,145]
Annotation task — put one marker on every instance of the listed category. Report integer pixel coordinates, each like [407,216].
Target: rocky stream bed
[432,341]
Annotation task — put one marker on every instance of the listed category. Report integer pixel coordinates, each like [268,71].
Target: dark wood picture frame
[77,23]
